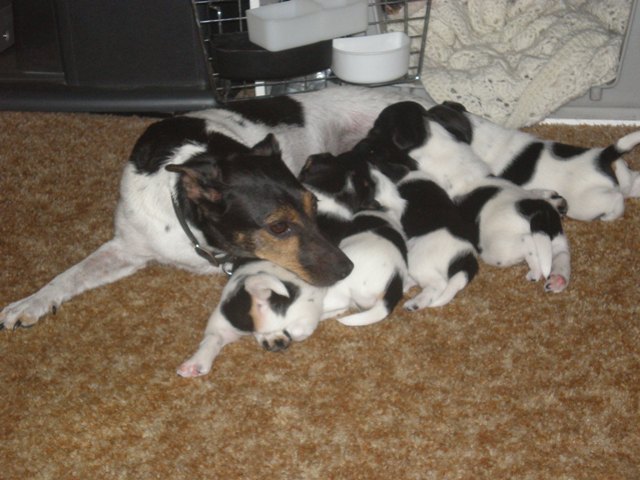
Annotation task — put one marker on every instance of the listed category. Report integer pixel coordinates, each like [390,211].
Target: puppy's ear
[200,179]
[314,164]
[404,123]
[451,116]
[261,285]
[267,147]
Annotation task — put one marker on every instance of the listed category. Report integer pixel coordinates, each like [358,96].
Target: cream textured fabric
[516,61]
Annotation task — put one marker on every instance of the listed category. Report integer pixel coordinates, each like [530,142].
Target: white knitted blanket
[516,61]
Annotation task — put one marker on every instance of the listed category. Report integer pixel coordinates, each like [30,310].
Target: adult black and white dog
[232,191]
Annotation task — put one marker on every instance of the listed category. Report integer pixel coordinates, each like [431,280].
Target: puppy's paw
[555,283]
[25,313]
[533,276]
[191,369]
[275,341]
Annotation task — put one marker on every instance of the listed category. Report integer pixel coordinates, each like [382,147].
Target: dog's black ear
[267,147]
[200,179]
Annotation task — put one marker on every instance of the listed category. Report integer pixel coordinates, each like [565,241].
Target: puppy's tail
[626,143]
[461,272]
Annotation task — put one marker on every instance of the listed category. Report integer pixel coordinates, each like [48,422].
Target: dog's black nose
[344,268]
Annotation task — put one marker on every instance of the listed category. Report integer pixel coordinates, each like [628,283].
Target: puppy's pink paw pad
[555,283]
[190,370]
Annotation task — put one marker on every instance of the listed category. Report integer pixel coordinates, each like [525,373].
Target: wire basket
[219,20]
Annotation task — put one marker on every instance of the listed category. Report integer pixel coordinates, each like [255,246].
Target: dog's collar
[216,257]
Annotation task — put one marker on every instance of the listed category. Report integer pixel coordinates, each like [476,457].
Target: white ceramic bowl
[372,58]
[302,22]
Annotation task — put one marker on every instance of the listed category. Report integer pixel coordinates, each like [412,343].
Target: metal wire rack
[219,18]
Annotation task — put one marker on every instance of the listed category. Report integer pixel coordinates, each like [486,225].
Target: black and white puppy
[262,299]
[512,224]
[442,258]
[441,255]
[349,213]
[594,181]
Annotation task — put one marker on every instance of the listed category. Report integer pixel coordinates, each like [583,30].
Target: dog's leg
[560,266]
[111,262]
[218,334]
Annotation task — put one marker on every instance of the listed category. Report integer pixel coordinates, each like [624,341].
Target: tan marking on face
[283,252]
[308,204]
[256,314]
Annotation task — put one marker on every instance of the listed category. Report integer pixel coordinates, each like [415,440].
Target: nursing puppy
[594,181]
[349,213]
[262,299]
[512,224]
[442,258]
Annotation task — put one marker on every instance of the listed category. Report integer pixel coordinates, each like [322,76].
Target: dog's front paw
[275,341]
[555,283]
[191,369]
[25,313]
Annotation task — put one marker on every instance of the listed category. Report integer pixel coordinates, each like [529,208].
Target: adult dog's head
[247,203]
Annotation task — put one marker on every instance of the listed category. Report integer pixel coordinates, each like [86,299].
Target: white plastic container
[302,22]
[371,59]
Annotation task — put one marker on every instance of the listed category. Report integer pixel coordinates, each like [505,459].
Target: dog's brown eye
[279,228]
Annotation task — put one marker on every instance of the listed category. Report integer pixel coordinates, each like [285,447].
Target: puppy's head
[406,124]
[345,178]
[249,204]
[277,305]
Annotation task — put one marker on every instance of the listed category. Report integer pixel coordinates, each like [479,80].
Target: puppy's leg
[628,180]
[218,334]
[560,266]
[375,314]
[456,283]
[432,287]
[608,202]
[111,262]
[538,255]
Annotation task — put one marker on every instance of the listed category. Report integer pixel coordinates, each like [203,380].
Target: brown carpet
[507,382]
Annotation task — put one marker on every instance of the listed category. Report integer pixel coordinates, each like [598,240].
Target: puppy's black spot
[237,309]
[605,162]
[156,145]
[471,205]
[394,293]
[464,263]
[429,208]
[333,228]
[271,111]
[279,303]
[541,215]
[379,226]
[522,168]
[564,151]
